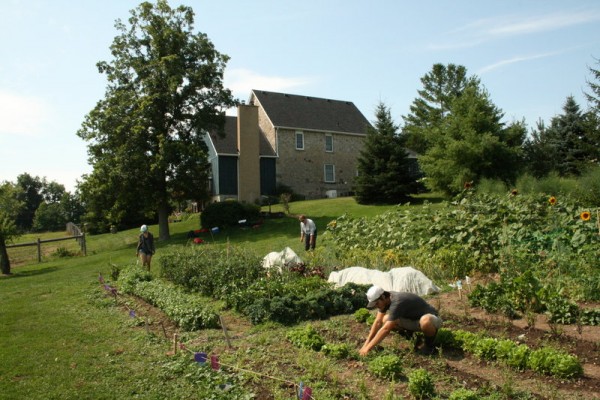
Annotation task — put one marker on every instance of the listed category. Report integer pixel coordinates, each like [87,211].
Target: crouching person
[404,313]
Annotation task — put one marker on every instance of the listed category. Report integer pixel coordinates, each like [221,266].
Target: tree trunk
[4,260]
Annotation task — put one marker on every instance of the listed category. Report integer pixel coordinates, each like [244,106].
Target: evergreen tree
[472,144]
[441,86]
[383,165]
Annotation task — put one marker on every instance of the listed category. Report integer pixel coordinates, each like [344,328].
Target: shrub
[228,213]
[307,338]
[420,384]
[386,367]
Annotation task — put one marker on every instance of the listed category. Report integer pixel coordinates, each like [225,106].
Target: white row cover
[402,279]
[278,259]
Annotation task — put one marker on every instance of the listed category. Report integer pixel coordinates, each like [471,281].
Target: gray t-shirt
[409,306]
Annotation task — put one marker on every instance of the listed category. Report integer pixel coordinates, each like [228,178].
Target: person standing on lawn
[403,312]
[145,248]
[308,232]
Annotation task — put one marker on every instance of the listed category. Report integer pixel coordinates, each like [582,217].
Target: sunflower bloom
[586,215]
[514,192]
[552,200]
[468,185]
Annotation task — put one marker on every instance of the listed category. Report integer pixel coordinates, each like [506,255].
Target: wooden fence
[73,229]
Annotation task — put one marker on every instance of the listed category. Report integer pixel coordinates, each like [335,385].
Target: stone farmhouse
[308,144]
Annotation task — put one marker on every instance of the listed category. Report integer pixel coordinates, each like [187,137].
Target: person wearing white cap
[402,312]
[145,248]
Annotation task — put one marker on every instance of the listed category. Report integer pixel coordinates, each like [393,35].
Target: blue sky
[530,55]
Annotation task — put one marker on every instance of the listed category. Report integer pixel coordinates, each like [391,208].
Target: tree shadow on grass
[24,274]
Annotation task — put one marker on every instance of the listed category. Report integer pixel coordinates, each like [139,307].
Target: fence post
[39,248]
[83,245]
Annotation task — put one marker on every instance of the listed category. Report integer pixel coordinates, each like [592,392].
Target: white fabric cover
[279,259]
[402,279]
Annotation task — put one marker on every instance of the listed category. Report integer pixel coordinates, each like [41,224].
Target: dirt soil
[456,368]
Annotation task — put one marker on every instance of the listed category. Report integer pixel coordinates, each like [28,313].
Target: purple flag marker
[132,313]
[200,358]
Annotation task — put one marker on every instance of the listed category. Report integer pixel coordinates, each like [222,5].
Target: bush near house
[228,213]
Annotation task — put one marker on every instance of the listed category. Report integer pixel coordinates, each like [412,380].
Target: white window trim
[328,135]
[325,173]
[301,134]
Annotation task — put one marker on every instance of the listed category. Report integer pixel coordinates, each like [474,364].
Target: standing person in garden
[145,248]
[308,232]
[403,312]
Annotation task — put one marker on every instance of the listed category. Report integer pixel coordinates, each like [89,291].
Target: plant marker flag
[200,358]
[307,394]
[132,313]
[214,362]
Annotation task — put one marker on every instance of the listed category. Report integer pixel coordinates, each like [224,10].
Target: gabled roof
[227,145]
[311,113]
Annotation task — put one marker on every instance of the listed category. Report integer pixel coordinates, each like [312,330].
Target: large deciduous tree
[10,208]
[384,172]
[165,88]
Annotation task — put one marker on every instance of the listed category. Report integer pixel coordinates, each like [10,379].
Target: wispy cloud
[22,115]
[515,60]
[242,81]
[488,29]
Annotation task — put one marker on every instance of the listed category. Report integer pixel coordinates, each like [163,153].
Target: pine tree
[384,167]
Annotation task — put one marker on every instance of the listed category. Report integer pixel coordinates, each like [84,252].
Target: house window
[329,173]
[329,143]
[299,140]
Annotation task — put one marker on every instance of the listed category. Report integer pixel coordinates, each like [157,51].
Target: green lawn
[61,339]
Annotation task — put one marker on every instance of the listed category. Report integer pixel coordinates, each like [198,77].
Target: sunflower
[514,192]
[468,185]
[586,215]
[552,200]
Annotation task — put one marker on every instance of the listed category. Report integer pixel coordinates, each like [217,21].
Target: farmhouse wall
[304,170]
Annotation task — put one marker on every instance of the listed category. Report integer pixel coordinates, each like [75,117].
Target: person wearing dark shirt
[145,248]
[402,312]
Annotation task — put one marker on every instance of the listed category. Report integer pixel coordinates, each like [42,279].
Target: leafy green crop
[420,384]
[306,337]
[386,367]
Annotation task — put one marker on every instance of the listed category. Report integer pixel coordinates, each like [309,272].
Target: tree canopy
[472,143]
[441,86]
[568,146]
[10,208]
[165,89]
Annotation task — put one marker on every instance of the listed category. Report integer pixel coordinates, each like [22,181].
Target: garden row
[235,276]
[391,366]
